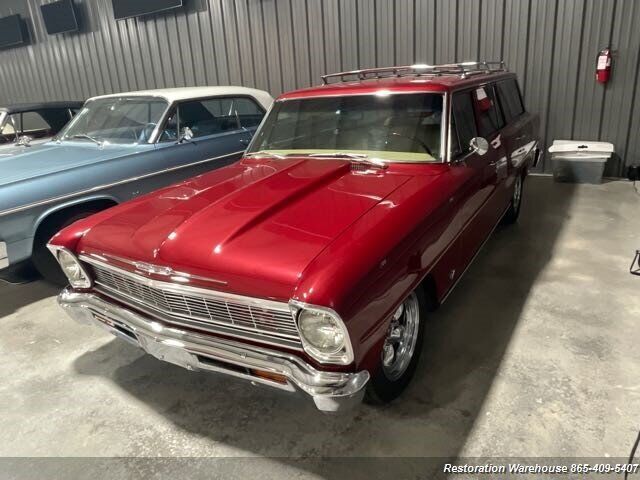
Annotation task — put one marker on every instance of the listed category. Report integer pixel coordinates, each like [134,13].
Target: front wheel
[401,350]
[513,212]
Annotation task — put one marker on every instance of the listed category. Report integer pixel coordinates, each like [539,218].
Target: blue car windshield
[119,120]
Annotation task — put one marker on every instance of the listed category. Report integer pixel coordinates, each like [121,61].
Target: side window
[8,128]
[489,114]
[463,125]
[56,118]
[28,123]
[248,112]
[218,115]
[510,99]
[33,121]
[170,132]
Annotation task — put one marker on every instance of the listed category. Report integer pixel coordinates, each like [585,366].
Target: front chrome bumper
[331,391]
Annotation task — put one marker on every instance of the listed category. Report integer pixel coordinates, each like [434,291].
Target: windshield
[121,120]
[400,127]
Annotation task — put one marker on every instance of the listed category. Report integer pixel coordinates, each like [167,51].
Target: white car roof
[186,93]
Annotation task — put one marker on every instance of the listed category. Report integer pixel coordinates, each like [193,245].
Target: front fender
[52,209]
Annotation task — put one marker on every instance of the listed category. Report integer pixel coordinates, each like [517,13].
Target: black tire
[516,202]
[383,389]
[41,257]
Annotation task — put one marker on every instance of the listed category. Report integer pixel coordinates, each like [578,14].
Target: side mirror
[24,140]
[186,135]
[479,145]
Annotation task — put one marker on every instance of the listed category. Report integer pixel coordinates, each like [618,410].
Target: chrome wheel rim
[517,193]
[401,340]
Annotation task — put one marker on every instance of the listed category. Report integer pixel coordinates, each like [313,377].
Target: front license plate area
[170,353]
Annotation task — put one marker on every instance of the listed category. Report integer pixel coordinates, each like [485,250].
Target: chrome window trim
[445,129]
[110,185]
[154,138]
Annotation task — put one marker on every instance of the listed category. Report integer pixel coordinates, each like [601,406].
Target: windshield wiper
[353,156]
[265,153]
[87,137]
[356,157]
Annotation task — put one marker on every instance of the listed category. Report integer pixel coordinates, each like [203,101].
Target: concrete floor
[534,354]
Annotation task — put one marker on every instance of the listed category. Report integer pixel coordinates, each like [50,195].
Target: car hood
[49,158]
[9,149]
[257,223]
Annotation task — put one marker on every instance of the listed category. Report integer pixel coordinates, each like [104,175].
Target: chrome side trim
[331,391]
[110,185]
[4,257]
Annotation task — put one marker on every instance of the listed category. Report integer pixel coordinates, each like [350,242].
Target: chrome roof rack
[462,69]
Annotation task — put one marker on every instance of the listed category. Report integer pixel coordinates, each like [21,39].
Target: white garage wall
[279,45]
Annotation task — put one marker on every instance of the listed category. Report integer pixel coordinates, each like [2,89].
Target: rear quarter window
[510,99]
[490,118]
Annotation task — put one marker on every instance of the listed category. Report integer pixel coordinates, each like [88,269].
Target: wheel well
[55,218]
[430,289]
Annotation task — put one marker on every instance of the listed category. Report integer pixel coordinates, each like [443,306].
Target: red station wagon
[312,263]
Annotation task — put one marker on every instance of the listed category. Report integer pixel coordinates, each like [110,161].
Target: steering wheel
[415,140]
[146,132]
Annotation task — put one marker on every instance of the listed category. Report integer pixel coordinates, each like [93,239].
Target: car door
[201,135]
[490,121]
[477,171]
[519,133]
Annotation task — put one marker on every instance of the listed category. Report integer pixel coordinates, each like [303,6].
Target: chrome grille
[272,318]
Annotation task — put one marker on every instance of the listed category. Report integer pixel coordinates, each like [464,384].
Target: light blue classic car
[116,148]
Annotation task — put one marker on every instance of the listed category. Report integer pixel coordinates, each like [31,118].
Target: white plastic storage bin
[579,161]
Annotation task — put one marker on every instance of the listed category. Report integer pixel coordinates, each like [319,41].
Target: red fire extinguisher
[603,65]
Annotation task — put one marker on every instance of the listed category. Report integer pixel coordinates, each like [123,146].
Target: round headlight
[73,270]
[321,331]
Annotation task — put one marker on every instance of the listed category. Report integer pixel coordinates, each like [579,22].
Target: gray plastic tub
[579,161]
